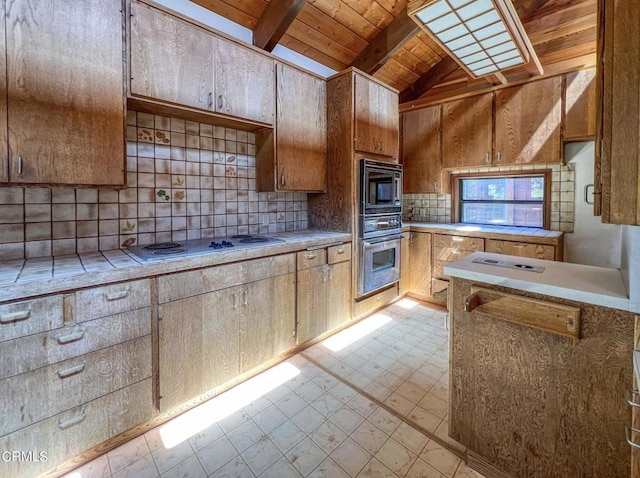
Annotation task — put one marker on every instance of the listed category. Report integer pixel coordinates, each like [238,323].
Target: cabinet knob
[210,104]
[499,157]
[487,158]
[282,181]
[245,297]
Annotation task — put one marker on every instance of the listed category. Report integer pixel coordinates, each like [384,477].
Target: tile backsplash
[437,207]
[185,180]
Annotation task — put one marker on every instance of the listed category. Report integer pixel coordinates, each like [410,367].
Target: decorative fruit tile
[145,135]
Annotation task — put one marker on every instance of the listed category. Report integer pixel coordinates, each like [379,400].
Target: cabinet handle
[70,371]
[630,395]
[330,273]
[340,251]
[68,338]
[499,158]
[435,185]
[312,255]
[14,316]
[19,168]
[235,301]
[324,275]
[282,180]
[117,295]
[411,238]
[245,297]
[210,104]
[487,158]
[628,431]
[519,246]
[62,424]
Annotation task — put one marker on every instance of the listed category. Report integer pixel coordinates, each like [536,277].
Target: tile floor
[297,419]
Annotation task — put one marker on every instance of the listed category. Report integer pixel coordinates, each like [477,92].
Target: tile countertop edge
[617,298]
[294,241]
[472,230]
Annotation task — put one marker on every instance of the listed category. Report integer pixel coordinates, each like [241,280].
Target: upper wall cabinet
[618,131]
[422,151]
[528,123]
[181,64]
[64,92]
[467,132]
[580,106]
[4,147]
[376,118]
[298,162]
[171,60]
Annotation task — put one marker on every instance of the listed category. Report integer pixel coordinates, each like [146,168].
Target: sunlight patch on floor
[406,303]
[356,332]
[200,418]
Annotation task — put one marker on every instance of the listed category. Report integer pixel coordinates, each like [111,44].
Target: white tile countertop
[23,278]
[471,229]
[589,284]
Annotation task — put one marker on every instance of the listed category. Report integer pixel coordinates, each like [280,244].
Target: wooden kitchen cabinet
[617,166]
[580,106]
[528,123]
[376,118]
[467,131]
[171,60]
[292,157]
[244,82]
[522,249]
[324,291]
[422,151]
[420,274]
[65,97]
[405,264]
[4,146]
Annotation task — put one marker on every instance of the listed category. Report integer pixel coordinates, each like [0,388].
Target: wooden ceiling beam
[275,20]
[387,43]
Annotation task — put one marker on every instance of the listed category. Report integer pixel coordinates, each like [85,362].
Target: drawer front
[470,244]
[309,259]
[68,434]
[50,390]
[30,317]
[370,304]
[188,284]
[35,351]
[112,299]
[522,249]
[339,253]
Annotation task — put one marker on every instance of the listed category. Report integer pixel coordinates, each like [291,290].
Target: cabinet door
[376,118]
[528,120]
[421,151]
[244,82]
[171,60]
[301,133]
[339,294]
[420,270]
[267,320]
[467,129]
[522,249]
[199,345]
[580,105]
[4,147]
[65,91]
[312,303]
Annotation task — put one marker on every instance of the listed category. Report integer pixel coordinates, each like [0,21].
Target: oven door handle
[367,242]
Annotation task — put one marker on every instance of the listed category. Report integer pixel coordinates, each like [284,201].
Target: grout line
[440,441]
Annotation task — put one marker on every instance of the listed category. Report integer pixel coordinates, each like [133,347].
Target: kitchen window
[511,199]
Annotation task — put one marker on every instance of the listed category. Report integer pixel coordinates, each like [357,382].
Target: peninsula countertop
[582,283]
[23,278]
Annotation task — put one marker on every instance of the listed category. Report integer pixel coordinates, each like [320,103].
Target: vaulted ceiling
[378,37]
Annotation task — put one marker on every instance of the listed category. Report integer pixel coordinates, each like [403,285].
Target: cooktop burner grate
[168,251]
[252,239]
[163,246]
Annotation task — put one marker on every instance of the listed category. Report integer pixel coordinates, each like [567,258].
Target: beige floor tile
[167,458]
[346,419]
[326,404]
[400,404]
[206,436]
[309,391]
[350,456]
[327,436]
[425,419]
[261,455]
[216,454]
[362,405]
[375,469]
[257,405]
[442,432]
[291,404]
[435,405]
[396,457]
[410,438]
[420,469]
[440,458]
[127,454]
[235,468]
[342,392]
[369,437]
[384,420]
[378,391]
[270,418]
[189,468]
[305,456]
[98,468]
[245,435]
[308,419]
[411,392]
[143,468]
[282,468]
[286,436]
[328,469]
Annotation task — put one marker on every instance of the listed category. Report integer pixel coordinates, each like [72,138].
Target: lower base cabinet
[323,291]
[211,338]
[420,271]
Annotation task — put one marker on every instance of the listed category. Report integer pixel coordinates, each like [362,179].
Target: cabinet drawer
[50,390]
[112,299]
[309,259]
[30,317]
[339,253]
[188,284]
[462,243]
[67,434]
[38,350]
[370,304]
[522,249]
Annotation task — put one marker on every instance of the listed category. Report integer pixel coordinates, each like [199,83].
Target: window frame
[456,190]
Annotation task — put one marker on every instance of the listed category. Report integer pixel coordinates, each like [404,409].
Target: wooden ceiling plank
[305,49]
[387,43]
[435,75]
[316,19]
[275,20]
[315,39]
[372,11]
[527,8]
[230,12]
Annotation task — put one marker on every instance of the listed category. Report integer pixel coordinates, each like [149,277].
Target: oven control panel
[380,225]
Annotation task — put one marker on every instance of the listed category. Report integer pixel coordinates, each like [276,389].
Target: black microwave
[380,187]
